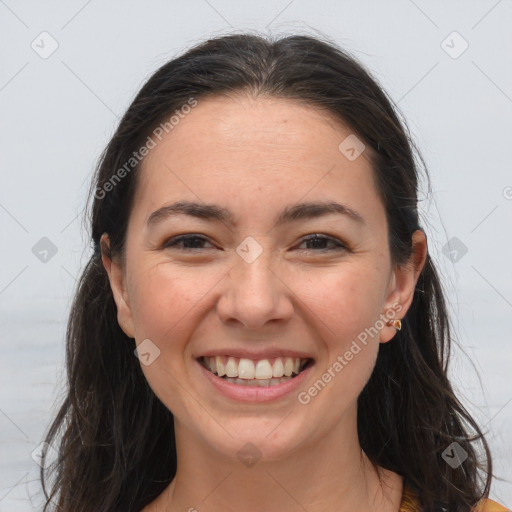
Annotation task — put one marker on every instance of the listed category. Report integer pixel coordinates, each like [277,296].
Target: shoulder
[490,506]
[410,503]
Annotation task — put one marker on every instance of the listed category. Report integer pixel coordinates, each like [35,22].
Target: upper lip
[254,354]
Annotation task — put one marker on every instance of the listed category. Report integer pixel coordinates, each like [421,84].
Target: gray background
[57,113]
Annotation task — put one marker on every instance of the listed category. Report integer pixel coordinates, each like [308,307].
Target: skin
[255,156]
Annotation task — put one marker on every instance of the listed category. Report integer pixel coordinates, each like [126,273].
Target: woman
[257,247]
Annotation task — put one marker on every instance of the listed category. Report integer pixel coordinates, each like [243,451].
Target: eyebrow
[212,212]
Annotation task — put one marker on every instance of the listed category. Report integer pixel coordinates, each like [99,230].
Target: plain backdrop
[68,72]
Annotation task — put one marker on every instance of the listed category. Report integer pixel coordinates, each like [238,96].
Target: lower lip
[255,393]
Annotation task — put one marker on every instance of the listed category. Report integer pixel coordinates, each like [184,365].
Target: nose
[255,294]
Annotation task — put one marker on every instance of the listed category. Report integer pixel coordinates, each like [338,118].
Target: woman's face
[248,285]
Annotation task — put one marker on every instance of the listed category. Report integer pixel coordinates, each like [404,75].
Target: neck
[332,474]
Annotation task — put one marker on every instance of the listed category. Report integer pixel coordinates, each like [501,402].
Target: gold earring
[397,324]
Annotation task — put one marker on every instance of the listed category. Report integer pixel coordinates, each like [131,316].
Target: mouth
[259,373]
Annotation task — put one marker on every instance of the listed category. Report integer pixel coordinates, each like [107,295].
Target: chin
[261,439]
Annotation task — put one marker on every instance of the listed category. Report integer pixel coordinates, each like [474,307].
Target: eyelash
[339,246]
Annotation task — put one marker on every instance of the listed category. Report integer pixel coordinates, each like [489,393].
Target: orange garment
[410,503]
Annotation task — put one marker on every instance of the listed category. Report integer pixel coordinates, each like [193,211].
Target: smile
[260,373]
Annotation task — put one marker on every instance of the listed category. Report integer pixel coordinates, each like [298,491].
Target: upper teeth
[249,369]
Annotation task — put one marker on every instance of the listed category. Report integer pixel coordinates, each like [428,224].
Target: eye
[321,240]
[193,242]
[190,240]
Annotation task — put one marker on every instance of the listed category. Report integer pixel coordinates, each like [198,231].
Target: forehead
[246,123]
[240,147]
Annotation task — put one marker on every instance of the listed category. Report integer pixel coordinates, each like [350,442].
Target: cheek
[161,299]
[165,305]
[344,310]
[345,301]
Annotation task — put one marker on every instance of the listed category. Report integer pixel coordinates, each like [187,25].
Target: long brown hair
[115,439]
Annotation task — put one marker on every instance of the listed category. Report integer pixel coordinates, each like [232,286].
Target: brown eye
[319,242]
[188,242]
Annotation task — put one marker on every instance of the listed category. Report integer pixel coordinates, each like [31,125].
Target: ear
[117,280]
[403,283]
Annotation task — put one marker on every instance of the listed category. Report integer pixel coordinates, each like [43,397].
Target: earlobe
[117,280]
[403,285]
